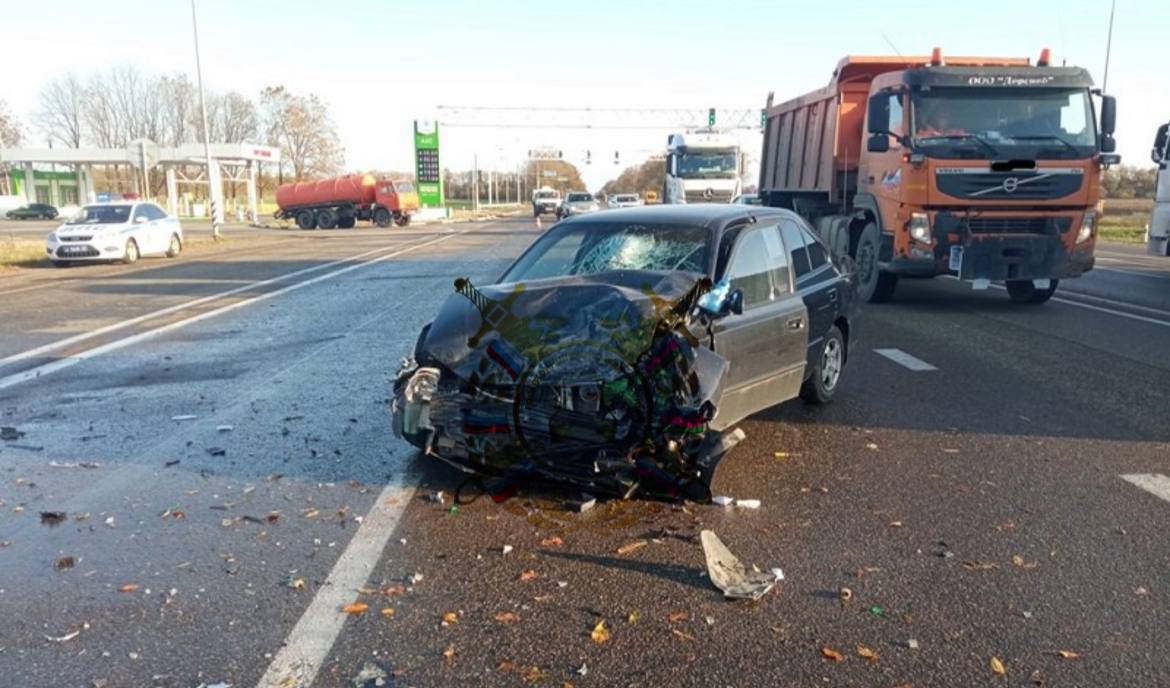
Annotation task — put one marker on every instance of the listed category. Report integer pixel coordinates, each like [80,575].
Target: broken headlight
[422,385]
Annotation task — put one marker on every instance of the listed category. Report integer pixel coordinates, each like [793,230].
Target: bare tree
[60,115]
[181,110]
[10,135]
[304,131]
[232,118]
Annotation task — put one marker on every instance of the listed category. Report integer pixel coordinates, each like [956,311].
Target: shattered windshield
[1052,123]
[595,248]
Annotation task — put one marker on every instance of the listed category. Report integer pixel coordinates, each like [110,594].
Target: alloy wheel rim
[831,365]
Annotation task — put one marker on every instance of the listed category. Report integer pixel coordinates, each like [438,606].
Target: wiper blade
[962,137]
[1047,137]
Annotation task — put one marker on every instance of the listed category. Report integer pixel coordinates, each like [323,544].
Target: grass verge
[1122,234]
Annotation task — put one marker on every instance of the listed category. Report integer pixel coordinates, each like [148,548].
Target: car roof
[705,214]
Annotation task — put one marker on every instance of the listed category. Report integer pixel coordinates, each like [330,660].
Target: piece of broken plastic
[748,503]
[722,500]
[728,573]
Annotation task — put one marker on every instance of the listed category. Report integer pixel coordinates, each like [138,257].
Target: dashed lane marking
[905,360]
[1154,483]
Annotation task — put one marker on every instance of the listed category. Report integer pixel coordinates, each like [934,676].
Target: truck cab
[702,167]
[1158,236]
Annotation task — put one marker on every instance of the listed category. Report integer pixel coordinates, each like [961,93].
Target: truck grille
[708,196]
[1018,225]
[1029,185]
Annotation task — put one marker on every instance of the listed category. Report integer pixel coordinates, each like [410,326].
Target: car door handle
[795,323]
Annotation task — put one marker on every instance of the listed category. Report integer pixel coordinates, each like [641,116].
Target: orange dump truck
[342,201]
[984,168]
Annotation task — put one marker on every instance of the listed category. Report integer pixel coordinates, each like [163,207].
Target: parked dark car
[616,349]
[33,211]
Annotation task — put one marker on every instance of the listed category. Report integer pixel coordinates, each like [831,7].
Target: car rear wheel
[382,217]
[131,255]
[1024,291]
[175,247]
[821,385]
[326,219]
[306,219]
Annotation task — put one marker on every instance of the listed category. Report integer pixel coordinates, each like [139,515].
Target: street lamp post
[211,175]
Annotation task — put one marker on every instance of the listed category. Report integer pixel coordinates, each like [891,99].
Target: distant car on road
[779,313]
[115,231]
[33,211]
[624,201]
[577,203]
[545,200]
[747,199]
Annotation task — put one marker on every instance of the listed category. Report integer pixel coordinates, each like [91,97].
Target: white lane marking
[1123,304]
[304,651]
[905,360]
[1099,309]
[69,341]
[1154,483]
[69,361]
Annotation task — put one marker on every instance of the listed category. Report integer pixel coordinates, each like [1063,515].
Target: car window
[153,212]
[794,241]
[578,197]
[817,255]
[777,260]
[749,270]
[141,212]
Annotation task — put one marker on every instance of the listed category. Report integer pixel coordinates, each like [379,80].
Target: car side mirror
[878,143]
[722,300]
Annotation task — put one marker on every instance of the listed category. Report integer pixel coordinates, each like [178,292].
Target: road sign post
[428,173]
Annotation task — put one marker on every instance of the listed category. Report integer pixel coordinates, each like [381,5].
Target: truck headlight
[1088,223]
[920,227]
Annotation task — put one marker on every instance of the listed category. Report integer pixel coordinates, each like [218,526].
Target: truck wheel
[1023,291]
[821,385]
[306,219]
[326,219]
[865,258]
[382,217]
[346,222]
[402,220]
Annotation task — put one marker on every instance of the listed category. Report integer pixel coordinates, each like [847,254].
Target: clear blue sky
[380,65]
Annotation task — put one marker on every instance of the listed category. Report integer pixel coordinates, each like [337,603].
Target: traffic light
[588,157]
[711,117]
[763,118]
[616,157]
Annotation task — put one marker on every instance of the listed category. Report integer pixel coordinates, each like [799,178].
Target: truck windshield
[1023,123]
[707,165]
[546,194]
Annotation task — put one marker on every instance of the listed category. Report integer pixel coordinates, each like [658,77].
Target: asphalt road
[228,463]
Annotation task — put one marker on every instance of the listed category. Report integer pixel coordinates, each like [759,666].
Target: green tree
[1127,181]
[303,129]
[649,176]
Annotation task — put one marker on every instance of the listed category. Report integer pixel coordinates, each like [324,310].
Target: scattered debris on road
[53,518]
[9,433]
[216,451]
[78,464]
[728,573]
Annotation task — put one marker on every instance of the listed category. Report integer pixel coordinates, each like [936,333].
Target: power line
[553,117]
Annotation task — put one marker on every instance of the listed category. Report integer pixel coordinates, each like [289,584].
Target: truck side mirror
[1108,115]
[1108,143]
[878,117]
[878,143]
[1158,152]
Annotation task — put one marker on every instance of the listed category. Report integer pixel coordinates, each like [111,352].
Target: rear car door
[766,344]
[817,281]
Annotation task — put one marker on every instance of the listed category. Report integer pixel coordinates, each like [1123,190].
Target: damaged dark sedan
[616,352]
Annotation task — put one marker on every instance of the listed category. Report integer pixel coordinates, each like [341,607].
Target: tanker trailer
[342,201]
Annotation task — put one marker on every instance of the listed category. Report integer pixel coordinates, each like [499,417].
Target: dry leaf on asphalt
[507,617]
[830,653]
[506,666]
[600,633]
[1017,560]
[675,617]
[449,653]
[684,636]
[631,547]
[867,653]
[553,541]
[997,666]
[394,590]
[534,675]
[633,617]
[895,524]
[129,587]
[356,608]
[450,618]
[1066,654]
[388,612]
[527,576]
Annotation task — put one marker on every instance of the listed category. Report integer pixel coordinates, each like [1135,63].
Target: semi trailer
[1158,234]
[983,168]
[342,201]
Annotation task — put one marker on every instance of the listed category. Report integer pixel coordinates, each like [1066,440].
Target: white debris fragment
[437,497]
[111,522]
[748,503]
[728,573]
[223,428]
[184,417]
[415,578]
[722,500]
[778,574]
[710,620]
[912,644]
[562,584]
[402,541]
[506,549]
[583,670]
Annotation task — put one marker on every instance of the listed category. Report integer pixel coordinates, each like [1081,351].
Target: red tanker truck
[342,201]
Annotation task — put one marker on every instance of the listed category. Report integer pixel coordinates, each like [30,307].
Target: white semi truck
[1158,235]
[703,167]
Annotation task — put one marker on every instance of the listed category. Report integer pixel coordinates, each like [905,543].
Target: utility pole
[475,181]
[1108,49]
[212,174]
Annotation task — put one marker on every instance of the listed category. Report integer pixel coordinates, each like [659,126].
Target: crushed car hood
[575,376]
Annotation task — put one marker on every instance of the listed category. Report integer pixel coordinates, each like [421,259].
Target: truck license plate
[956,258]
